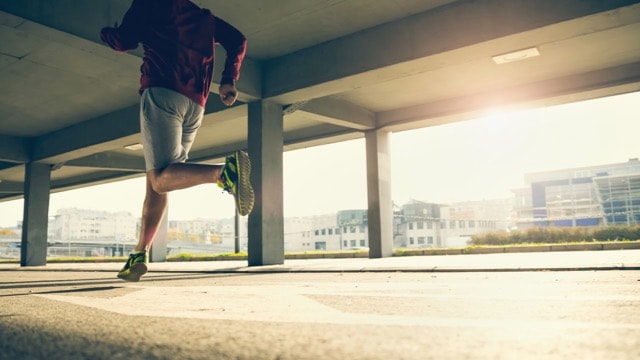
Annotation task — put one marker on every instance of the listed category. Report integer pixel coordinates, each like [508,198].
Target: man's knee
[157,181]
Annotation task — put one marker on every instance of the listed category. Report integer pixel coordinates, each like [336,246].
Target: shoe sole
[244,196]
[135,272]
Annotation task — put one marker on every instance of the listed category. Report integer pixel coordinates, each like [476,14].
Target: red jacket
[179,40]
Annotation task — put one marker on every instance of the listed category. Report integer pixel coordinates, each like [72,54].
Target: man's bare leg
[153,209]
[159,183]
[181,176]
[174,177]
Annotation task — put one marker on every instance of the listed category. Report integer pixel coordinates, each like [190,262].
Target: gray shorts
[168,125]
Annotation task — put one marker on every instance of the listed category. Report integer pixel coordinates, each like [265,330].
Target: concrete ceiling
[338,68]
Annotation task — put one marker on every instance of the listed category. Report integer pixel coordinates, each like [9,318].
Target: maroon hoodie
[178,39]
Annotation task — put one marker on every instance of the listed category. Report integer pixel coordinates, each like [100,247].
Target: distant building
[206,236]
[416,225]
[297,234]
[346,230]
[197,231]
[73,224]
[353,229]
[227,231]
[421,224]
[586,196]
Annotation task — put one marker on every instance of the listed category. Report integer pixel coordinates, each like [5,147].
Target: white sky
[471,160]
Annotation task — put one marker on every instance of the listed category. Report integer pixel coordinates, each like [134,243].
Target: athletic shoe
[135,267]
[234,179]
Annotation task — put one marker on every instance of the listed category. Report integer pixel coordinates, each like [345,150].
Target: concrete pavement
[534,261]
[432,307]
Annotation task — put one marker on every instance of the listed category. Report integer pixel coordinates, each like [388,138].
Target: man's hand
[228,94]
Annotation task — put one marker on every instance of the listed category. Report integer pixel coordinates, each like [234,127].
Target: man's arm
[235,44]
[127,36]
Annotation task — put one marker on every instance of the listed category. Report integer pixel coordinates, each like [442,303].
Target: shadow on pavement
[91,283]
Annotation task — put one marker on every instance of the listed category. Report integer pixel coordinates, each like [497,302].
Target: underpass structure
[316,72]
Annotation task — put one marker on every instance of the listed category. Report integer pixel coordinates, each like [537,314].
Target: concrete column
[158,251]
[35,220]
[380,211]
[236,231]
[266,222]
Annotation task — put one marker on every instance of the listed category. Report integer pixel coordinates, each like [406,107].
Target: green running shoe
[135,267]
[234,179]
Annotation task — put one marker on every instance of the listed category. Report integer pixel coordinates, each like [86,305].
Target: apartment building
[353,229]
[313,233]
[72,224]
[345,230]
[420,224]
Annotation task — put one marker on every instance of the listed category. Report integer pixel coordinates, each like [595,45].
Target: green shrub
[184,257]
[617,233]
[555,235]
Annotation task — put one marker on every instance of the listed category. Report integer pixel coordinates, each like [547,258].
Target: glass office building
[588,196]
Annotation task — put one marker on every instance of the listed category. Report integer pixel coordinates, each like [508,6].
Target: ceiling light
[133,147]
[516,55]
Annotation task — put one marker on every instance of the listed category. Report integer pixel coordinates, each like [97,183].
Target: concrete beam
[298,139]
[90,179]
[7,165]
[93,136]
[108,132]
[223,113]
[11,187]
[11,190]
[340,113]
[329,138]
[218,155]
[318,132]
[348,63]
[111,161]
[551,92]
[14,149]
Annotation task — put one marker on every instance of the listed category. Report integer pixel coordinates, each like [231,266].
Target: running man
[178,39]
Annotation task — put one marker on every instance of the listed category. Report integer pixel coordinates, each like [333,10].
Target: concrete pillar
[35,220]
[380,211]
[266,222]
[158,251]
[236,232]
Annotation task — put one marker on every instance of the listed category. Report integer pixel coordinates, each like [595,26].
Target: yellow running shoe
[135,267]
[234,179]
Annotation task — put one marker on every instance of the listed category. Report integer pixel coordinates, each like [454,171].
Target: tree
[175,234]
[195,238]
[7,232]
[215,239]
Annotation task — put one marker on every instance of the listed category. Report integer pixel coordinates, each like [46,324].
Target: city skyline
[476,159]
